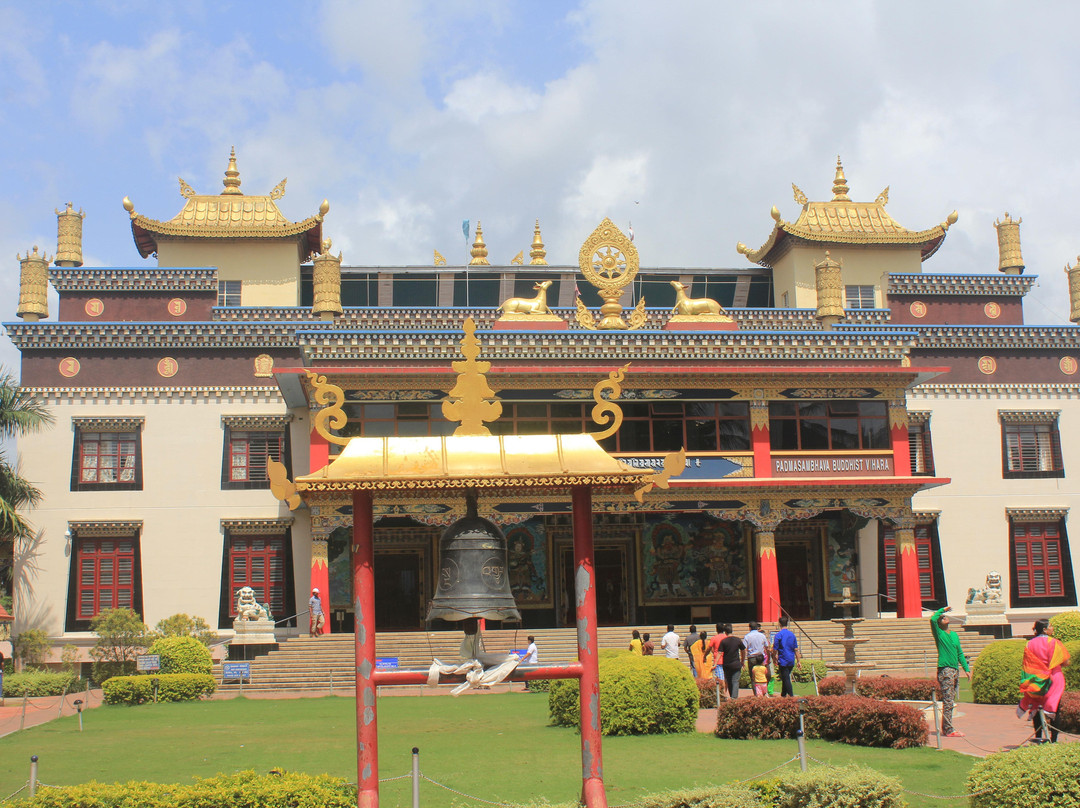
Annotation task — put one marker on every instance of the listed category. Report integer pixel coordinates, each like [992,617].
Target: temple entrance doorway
[794,568]
[613,592]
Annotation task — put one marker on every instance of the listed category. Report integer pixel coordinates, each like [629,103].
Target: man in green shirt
[950,658]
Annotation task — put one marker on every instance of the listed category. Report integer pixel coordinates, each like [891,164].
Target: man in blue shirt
[786,654]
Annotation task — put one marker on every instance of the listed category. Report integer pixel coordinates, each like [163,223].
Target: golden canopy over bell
[473,579]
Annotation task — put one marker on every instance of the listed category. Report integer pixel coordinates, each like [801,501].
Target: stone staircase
[897,647]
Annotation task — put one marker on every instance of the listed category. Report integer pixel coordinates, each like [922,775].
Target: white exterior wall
[181,503]
[973,528]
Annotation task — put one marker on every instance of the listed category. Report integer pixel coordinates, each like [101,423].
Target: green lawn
[496,746]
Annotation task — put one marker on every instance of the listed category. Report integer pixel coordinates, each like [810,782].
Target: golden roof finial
[479,250]
[232,176]
[538,254]
[840,186]
[69,237]
[440,261]
[33,286]
[471,401]
[326,283]
[1011,261]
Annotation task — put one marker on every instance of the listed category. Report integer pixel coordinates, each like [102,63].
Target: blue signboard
[386,663]
[148,662]
[236,670]
[698,467]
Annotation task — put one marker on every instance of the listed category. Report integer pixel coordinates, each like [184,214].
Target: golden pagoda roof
[456,462]
[841,221]
[229,214]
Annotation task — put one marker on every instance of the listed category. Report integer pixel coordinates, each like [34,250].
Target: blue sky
[689,118]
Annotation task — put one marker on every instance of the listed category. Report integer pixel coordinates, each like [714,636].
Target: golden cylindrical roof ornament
[1011,261]
[326,280]
[69,237]
[1073,274]
[830,292]
[33,286]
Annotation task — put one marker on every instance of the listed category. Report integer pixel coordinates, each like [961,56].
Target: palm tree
[19,415]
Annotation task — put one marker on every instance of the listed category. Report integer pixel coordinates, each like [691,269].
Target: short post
[799,735]
[33,776]
[331,681]
[78,707]
[937,725]
[1044,730]
[22,717]
[416,777]
[63,696]
[154,682]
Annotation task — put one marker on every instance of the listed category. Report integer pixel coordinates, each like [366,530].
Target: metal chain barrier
[10,797]
[463,794]
[770,771]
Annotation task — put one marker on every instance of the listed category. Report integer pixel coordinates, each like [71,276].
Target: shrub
[171,687]
[882,687]
[706,693]
[41,683]
[121,638]
[1066,626]
[31,646]
[183,625]
[1072,670]
[280,790]
[540,685]
[839,787]
[730,796]
[182,655]
[638,696]
[1028,776]
[995,676]
[847,719]
[806,671]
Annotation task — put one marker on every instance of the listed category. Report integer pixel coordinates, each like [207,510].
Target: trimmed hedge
[171,687]
[639,695]
[1066,626]
[882,687]
[1028,776]
[847,719]
[995,676]
[1068,714]
[251,790]
[41,683]
[182,655]
[838,787]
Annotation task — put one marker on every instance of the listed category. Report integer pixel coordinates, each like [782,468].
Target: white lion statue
[990,594]
[247,608]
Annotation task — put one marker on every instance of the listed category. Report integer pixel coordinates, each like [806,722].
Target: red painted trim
[363,572]
[804,482]
[901,451]
[592,765]
[762,452]
[768,599]
[908,592]
[796,368]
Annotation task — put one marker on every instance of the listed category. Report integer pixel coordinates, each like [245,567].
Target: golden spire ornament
[232,176]
[479,250]
[840,186]
[538,254]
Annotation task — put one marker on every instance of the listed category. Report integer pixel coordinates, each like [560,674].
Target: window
[1037,554]
[919,444]
[258,562]
[828,425]
[1030,445]
[228,293]
[107,455]
[859,297]
[249,448]
[931,574]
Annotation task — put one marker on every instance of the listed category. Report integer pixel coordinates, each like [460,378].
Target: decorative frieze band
[134,279]
[1011,391]
[1028,416]
[257,527]
[106,528]
[1036,514]
[264,423]
[129,424]
[918,417]
[927,517]
[925,284]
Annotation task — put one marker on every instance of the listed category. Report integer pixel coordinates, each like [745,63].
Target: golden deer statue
[529,305]
[694,305]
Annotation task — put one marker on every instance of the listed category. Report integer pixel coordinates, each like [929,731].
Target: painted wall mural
[692,556]
[841,555]
[528,553]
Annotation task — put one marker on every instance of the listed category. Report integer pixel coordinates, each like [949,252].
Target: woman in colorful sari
[1042,682]
[699,653]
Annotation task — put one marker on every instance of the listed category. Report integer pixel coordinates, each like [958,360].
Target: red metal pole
[367,730]
[592,762]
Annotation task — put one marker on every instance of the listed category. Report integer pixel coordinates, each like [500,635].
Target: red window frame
[259,562]
[1036,548]
[924,550]
[105,575]
[108,454]
[249,452]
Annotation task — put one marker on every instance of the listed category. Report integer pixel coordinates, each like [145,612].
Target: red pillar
[363,576]
[908,590]
[592,764]
[759,437]
[768,581]
[319,457]
[901,450]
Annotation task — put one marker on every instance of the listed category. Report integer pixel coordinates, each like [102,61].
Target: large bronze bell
[473,579]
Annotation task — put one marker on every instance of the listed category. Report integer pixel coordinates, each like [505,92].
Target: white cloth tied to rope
[480,668]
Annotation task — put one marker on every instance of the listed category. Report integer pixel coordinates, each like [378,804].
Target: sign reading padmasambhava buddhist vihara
[833,465]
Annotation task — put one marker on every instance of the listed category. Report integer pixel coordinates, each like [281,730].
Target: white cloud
[485,95]
[609,183]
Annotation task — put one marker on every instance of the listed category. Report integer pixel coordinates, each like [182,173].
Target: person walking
[733,658]
[1043,681]
[670,643]
[786,655]
[691,638]
[699,656]
[316,619]
[950,659]
[756,644]
[647,647]
[759,678]
[635,642]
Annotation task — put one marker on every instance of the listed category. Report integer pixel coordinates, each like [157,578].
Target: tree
[122,636]
[183,625]
[31,646]
[20,414]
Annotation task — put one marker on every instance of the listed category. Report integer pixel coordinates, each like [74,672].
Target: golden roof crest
[471,402]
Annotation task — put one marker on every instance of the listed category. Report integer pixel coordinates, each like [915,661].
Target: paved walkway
[17,713]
